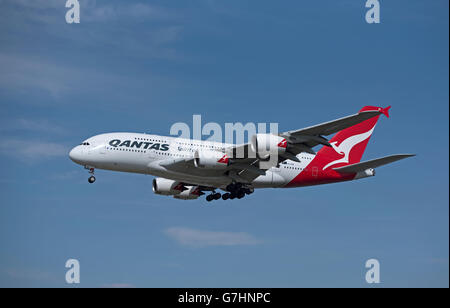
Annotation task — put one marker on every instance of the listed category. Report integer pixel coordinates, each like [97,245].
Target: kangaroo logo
[224,159]
[346,146]
[283,143]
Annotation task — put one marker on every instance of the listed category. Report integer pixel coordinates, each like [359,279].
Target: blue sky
[143,65]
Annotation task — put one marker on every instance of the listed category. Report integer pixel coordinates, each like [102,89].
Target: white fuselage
[144,153]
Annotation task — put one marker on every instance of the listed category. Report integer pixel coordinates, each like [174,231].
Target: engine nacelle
[210,159]
[167,187]
[193,192]
[265,145]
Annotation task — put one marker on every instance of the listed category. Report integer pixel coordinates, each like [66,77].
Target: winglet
[385,111]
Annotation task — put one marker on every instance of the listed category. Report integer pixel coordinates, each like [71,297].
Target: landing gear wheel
[217,196]
[249,191]
[209,198]
[226,196]
[240,194]
[91,179]
[232,196]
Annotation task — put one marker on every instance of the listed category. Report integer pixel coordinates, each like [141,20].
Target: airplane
[187,168]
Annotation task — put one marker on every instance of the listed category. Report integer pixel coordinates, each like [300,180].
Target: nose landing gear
[91,179]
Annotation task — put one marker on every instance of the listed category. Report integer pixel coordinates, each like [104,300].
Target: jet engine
[265,145]
[210,159]
[167,187]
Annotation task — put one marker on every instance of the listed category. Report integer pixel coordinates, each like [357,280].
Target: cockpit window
[85,143]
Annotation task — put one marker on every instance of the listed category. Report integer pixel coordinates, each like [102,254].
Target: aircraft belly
[134,168]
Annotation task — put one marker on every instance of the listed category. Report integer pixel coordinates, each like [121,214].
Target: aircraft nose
[75,154]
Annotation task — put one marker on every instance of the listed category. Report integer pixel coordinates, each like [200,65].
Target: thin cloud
[35,275]
[31,125]
[22,72]
[38,4]
[28,74]
[54,10]
[135,11]
[24,17]
[38,125]
[32,149]
[201,238]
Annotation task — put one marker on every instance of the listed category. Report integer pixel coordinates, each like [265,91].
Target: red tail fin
[348,145]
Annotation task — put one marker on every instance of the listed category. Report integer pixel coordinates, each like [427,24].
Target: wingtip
[408,155]
[381,110]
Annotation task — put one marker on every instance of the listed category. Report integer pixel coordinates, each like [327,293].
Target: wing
[243,170]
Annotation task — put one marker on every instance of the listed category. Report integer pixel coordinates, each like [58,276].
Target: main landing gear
[234,190]
[91,179]
[213,196]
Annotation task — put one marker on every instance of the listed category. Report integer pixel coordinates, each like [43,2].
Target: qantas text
[139,145]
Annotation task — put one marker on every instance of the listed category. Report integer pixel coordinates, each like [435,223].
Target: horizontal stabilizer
[374,163]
